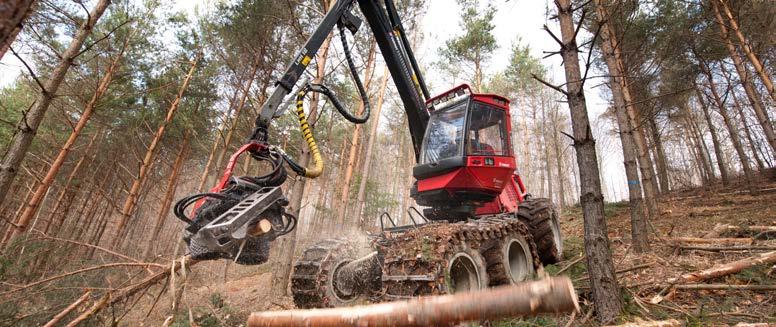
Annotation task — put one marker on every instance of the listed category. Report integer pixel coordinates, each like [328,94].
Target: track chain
[415,261]
[311,276]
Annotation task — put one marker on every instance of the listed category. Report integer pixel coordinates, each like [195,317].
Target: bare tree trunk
[743,74]
[558,161]
[12,16]
[54,212]
[660,155]
[28,126]
[758,66]
[370,146]
[172,184]
[354,142]
[236,119]
[603,282]
[43,188]
[700,147]
[723,171]
[216,141]
[639,231]
[734,138]
[131,201]
[287,245]
[747,132]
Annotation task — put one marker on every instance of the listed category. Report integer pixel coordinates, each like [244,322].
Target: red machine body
[467,165]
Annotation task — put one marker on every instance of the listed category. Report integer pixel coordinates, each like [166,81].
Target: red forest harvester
[480,228]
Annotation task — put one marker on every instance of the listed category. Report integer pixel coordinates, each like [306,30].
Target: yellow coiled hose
[317,168]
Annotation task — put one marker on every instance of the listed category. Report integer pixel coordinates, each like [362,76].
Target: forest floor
[218,299]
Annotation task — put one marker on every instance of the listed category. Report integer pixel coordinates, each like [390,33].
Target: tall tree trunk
[660,155]
[547,160]
[354,142]
[723,171]
[747,132]
[216,141]
[603,282]
[758,66]
[28,126]
[12,16]
[236,119]
[558,161]
[734,138]
[700,146]
[743,74]
[172,184]
[131,200]
[369,147]
[32,206]
[639,231]
[65,188]
[287,245]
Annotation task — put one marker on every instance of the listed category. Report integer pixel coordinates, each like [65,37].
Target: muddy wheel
[312,282]
[465,270]
[542,220]
[510,260]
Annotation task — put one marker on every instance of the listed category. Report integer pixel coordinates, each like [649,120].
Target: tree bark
[606,291]
[723,171]
[131,200]
[756,63]
[287,245]
[743,74]
[549,295]
[727,269]
[369,147]
[354,142]
[639,232]
[27,128]
[12,16]
[43,188]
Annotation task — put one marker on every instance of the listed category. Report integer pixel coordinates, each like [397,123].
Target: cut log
[551,295]
[722,229]
[696,240]
[728,248]
[642,323]
[728,268]
[724,287]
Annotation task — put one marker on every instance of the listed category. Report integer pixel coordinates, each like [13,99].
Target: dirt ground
[218,300]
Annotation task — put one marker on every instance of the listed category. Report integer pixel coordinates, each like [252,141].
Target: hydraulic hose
[356,79]
[307,134]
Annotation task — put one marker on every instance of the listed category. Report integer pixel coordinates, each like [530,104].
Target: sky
[514,19]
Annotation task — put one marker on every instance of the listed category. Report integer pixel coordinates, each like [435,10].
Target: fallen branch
[642,323]
[717,271]
[80,271]
[114,253]
[94,309]
[152,280]
[550,295]
[725,287]
[54,321]
[728,248]
[577,260]
[621,271]
[696,240]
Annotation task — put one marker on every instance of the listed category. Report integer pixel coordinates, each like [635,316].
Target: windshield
[444,134]
[487,131]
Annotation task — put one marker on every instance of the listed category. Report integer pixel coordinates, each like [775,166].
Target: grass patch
[527,322]
[614,208]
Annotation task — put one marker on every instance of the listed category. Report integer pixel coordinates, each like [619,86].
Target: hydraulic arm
[240,216]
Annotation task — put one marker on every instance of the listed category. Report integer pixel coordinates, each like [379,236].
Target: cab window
[487,133]
[444,134]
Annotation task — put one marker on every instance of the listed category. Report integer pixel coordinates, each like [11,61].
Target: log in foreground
[550,295]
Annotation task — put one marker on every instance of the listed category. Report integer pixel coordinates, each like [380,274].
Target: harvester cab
[466,158]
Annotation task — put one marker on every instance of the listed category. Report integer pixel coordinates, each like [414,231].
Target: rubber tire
[477,260]
[312,277]
[497,258]
[541,218]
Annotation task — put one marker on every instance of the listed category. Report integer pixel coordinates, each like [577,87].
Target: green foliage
[475,46]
